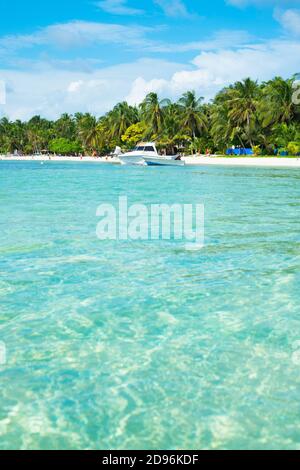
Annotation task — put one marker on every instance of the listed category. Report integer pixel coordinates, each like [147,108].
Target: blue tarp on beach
[239,151]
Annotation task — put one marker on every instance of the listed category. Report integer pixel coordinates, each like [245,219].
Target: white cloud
[118,7]
[80,34]
[174,8]
[221,39]
[2,92]
[215,69]
[52,86]
[77,34]
[75,86]
[141,87]
[290,20]
[51,92]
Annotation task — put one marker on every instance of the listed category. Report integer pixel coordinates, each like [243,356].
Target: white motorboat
[147,154]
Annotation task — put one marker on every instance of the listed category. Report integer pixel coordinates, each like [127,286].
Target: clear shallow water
[147,345]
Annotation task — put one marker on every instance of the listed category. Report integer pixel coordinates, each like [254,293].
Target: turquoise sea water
[146,345]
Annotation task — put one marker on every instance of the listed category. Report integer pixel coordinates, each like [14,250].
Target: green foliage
[63,146]
[119,119]
[92,133]
[134,133]
[293,148]
[192,118]
[284,133]
[276,104]
[256,150]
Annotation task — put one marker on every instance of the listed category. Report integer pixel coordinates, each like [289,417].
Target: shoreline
[46,158]
[264,162]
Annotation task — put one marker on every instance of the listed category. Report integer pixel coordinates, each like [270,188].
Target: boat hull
[132,160]
[163,161]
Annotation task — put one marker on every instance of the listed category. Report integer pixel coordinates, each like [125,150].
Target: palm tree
[152,111]
[193,119]
[277,102]
[220,129]
[120,118]
[39,131]
[89,131]
[5,129]
[172,134]
[65,127]
[242,101]
[284,133]
[171,122]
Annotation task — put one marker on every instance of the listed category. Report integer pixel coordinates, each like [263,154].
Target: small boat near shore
[147,154]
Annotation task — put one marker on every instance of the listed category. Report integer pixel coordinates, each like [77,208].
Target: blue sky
[86,55]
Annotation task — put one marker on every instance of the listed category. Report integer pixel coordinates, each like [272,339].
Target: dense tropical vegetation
[264,117]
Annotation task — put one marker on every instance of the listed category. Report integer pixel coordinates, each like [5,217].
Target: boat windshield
[139,148]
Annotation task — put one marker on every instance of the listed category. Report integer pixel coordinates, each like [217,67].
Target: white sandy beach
[275,162]
[267,162]
[47,158]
